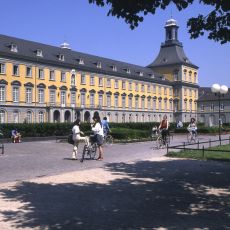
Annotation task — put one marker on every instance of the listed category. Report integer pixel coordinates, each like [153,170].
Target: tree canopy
[216,23]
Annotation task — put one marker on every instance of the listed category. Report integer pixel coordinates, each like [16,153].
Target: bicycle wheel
[167,140]
[85,149]
[159,142]
[93,151]
[189,137]
[109,140]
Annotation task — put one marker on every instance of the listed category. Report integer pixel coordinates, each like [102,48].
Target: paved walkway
[136,187]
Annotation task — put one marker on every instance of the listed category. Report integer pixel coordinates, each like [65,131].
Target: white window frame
[2,68]
[63,76]
[15,70]
[15,94]
[41,96]
[28,94]
[2,93]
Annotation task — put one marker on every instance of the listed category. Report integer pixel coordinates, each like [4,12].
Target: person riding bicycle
[192,127]
[164,128]
[105,125]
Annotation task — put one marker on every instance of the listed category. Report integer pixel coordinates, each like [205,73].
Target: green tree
[216,23]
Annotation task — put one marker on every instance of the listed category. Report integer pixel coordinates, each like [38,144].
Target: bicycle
[192,136]
[90,150]
[108,139]
[159,142]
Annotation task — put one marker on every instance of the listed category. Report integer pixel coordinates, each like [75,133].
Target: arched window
[2,116]
[41,117]
[29,116]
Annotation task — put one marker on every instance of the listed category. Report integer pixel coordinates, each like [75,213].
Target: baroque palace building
[43,83]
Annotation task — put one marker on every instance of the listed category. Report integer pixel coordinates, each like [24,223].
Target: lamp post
[219,91]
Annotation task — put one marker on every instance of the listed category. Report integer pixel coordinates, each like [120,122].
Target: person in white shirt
[77,138]
[97,129]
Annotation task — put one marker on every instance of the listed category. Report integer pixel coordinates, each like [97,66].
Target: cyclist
[105,125]
[192,128]
[164,128]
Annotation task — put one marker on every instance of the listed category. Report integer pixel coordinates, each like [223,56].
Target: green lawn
[209,155]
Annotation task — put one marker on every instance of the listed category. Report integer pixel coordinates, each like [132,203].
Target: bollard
[198,144]
[203,152]
[167,150]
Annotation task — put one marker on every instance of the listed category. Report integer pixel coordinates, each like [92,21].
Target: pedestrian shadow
[173,194]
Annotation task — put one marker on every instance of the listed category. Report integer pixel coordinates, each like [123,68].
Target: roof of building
[171,53]
[205,94]
[27,50]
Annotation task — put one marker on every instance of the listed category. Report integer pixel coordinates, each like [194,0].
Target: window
[149,103]
[73,98]
[185,105]
[63,98]
[14,48]
[61,57]
[92,99]
[15,116]
[195,77]
[148,88]
[185,92]
[165,105]
[116,84]
[165,91]
[190,76]
[100,100]
[82,99]
[170,105]
[52,75]
[73,79]
[108,100]
[123,102]
[202,107]
[130,86]
[29,116]
[92,82]
[154,89]
[2,68]
[108,83]
[142,88]
[154,104]
[2,93]
[41,74]
[28,95]
[114,68]
[130,102]
[221,106]
[185,72]
[123,85]
[83,81]
[41,117]
[128,71]
[99,65]
[136,87]
[41,96]
[159,90]
[136,102]
[15,70]
[63,77]
[175,76]
[81,61]
[28,71]
[15,94]
[143,103]
[39,53]
[116,100]
[141,74]
[190,106]
[100,81]
[2,116]
[170,91]
[52,97]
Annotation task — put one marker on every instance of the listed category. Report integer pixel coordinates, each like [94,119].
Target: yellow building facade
[42,83]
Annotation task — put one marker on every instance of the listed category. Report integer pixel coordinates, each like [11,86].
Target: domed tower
[173,63]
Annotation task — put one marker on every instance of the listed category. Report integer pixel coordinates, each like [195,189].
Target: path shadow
[178,194]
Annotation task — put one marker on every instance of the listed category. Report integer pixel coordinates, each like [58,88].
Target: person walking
[192,127]
[77,138]
[105,125]
[98,133]
[163,127]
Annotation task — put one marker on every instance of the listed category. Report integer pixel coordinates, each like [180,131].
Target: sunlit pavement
[135,187]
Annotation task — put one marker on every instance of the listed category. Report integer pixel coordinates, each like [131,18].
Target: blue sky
[87,29]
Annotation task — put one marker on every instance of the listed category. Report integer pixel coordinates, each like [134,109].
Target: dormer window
[114,68]
[151,75]
[13,48]
[81,61]
[99,65]
[39,53]
[128,71]
[141,74]
[61,57]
